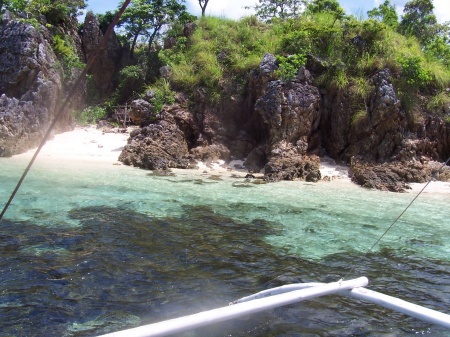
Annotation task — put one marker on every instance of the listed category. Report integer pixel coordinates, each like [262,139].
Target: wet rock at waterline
[395,176]
[161,145]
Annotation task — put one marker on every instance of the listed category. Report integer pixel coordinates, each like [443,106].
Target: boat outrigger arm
[277,297]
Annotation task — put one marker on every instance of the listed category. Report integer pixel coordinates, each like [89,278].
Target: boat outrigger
[267,299]
[285,295]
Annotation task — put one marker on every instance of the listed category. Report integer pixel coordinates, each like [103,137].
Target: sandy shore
[89,144]
[83,144]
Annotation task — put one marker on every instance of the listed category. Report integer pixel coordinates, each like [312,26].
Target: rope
[396,220]
[62,108]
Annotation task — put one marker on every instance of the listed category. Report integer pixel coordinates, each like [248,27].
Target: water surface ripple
[86,250]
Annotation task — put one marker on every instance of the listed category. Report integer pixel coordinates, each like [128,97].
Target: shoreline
[83,144]
[87,144]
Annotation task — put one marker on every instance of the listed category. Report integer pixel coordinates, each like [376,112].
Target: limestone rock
[141,112]
[30,87]
[189,29]
[210,153]
[395,176]
[111,59]
[161,145]
[293,168]
[288,115]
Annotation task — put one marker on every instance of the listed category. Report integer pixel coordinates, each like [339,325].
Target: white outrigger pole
[277,297]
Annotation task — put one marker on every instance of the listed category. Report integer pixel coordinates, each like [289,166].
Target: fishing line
[62,108]
[396,220]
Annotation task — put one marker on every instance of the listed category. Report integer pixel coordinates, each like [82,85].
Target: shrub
[163,94]
[289,66]
[413,72]
[90,115]
[64,49]
[438,102]
[131,82]
[358,117]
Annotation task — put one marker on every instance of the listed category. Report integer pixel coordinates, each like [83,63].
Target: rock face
[394,176]
[289,116]
[30,86]
[111,59]
[377,135]
[283,127]
[164,144]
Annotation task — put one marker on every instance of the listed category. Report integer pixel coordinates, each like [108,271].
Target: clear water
[88,249]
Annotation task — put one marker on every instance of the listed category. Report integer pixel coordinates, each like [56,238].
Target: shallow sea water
[89,249]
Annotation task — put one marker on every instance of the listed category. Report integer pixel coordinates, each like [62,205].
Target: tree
[55,11]
[283,9]
[318,6]
[147,18]
[203,4]
[419,20]
[326,6]
[14,6]
[439,45]
[385,13]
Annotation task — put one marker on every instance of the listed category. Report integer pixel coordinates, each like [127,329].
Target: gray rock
[111,59]
[141,112]
[165,71]
[162,145]
[30,87]
[268,65]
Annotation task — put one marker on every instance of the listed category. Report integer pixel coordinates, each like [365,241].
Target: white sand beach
[89,144]
[83,144]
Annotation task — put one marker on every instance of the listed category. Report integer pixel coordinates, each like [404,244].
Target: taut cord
[62,108]
[396,220]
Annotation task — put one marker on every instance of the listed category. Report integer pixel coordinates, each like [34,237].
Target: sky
[235,9]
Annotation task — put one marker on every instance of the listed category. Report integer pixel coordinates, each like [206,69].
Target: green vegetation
[350,50]
[64,48]
[289,66]
[220,53]
[220,49]
[90,115]
[55,11]
[163,94]
[147,18]
[439,102]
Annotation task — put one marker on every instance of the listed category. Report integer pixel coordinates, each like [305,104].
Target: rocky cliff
[110,61]
[30,85]
[283,128]
[34,81]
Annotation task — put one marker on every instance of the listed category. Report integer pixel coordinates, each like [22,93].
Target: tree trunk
[133,45]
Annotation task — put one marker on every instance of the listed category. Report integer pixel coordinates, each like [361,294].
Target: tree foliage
[147,18]
[328,6]
[283,9]
[385,13]
[55,11]
[419,20]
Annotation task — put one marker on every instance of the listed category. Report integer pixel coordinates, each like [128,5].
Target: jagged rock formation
[111,59]
[395,176]
[288,113]
[30,86]
[164,144]
[283,128]
[285,118]
[377,135]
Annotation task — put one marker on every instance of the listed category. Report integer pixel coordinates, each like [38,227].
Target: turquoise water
[88,249]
